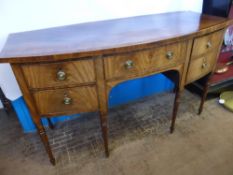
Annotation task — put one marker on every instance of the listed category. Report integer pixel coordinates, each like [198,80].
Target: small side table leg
[51,125]
[104,127]
[175,109]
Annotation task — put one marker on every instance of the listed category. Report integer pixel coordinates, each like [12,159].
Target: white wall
[24,15]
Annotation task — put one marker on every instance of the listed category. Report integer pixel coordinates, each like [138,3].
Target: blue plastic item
[25,117]
[122,93]
[137,88]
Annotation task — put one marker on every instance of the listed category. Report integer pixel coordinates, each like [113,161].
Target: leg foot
[53,161]
[171,130]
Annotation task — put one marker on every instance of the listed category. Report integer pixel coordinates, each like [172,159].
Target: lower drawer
[66,101]
[200,67]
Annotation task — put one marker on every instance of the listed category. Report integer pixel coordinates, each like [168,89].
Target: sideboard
[71,69]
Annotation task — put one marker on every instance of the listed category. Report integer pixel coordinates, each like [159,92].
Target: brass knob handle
[208,45]
[169,55]
[129,64]
[61,75]
[204,65]
[67,100]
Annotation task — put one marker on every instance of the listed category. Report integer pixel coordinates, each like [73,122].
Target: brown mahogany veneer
[71,69]
[207,43]
[45,75]
[201,66]
[150,59]
[51,102]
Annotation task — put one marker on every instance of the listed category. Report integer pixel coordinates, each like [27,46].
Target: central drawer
[139,62]
[66,101]
[59,74]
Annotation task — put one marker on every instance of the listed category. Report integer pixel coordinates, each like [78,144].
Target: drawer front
[59,74]
[207,43]
[65,101]
[144,61]
[200,67]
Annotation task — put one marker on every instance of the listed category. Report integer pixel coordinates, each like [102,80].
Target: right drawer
[207,43]
[200,67]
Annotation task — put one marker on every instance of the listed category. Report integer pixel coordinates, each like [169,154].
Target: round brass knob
[169,55]
[129,64]
[61,75]
[208,45]
[67,100]
[204,65]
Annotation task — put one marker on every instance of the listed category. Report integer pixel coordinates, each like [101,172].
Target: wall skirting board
[121,94]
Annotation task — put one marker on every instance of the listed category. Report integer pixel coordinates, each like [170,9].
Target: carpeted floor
[140,143]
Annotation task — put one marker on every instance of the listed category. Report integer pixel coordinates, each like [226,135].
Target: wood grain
[33,110]
[103,101]
[184,71]
[201,47]
[112,83]
[197,69]
[144,61]
[107,37]
[94,56]
[45,75]
[203,59]
[51,102]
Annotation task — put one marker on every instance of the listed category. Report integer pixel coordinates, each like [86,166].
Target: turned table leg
[205,90]
[33,111]
[104,127]
[51,125]
[175,109]
[103,101]
[204,94]
[44,139]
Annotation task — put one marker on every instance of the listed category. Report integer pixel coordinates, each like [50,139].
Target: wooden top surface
[102,37]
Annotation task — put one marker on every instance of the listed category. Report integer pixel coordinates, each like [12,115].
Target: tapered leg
[104,127]
[103,101]
[51,126]
[205,90]
[44,139]
[33,111]
[175,109]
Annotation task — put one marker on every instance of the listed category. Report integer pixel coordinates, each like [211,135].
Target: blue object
[131,90]
[124,92]
[25,119]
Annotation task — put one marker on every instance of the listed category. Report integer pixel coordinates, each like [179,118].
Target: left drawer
[66,101]
[59,74]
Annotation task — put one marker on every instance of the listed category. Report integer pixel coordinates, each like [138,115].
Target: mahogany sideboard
[71,69]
